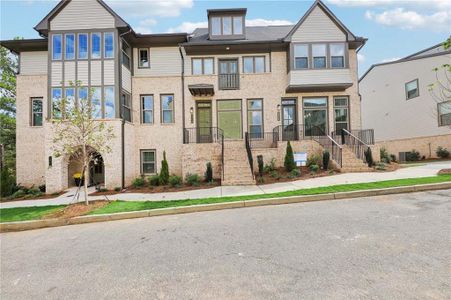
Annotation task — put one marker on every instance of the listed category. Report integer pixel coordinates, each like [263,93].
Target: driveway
[385,247]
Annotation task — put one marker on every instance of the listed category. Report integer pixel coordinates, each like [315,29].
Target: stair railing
[328,143]
[249,153]
[357,146]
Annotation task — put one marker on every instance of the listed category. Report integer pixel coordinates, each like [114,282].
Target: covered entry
[230,118]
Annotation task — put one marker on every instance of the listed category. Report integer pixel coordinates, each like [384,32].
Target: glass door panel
[289,122]
[315,121]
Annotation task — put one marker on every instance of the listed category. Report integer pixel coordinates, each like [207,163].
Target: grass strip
[27,213]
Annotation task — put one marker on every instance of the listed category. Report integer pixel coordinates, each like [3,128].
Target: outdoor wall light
[191,111]
[278,112]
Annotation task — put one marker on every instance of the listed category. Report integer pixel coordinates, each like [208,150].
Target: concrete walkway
[422,170]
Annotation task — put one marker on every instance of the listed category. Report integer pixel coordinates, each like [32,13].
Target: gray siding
[69,73]
[83,72]
[320,76]
[108,72]
[82,14]
[33,63]
[96,73]
[126,79]
[164,61]
[57,73]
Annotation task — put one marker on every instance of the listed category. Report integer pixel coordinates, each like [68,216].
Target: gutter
[182,74]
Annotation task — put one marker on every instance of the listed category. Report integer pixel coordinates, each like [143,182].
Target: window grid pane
[208,66]
[144,58]
[56,102]
[237,25]
[109,102]
[167,106]
[70,46]
[226,25]
[147,109]
[216,26]
[248,65]
[83,46]
[259,64]
[96,103]
[57,47]
[95,45]
[108,44]
[37,112]
[197,66]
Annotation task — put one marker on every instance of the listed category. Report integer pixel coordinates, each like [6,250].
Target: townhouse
[222,94]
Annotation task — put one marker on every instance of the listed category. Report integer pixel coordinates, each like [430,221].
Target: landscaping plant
[138,182]
[413,155]
[175,181]
[313,168]
[271,167]
[7,182]
[209,173]
[385,157]
[164,173]
[260,165]
[314,159]
[369,157]
[326,159]
[289,163]
[154,180]
[294,173]
[193,179]
[442,152]
[274,174]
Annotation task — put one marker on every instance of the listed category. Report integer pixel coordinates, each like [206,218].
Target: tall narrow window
[108,42]
[57,46]
[144,58]
[70,100]
[96,102]
[109,102]
[412,90]
[82,46]
[255,118]
[96,45]
[237,25]
[147,109]
[148,158]
[126,52]
[167,108]
[226,25]
[341,113]
[444,113]
[301,56]
[319,56]
[337,55]
[56,103]
[126,107]
[70,46]
[215,26]
[36,109]
[82,94]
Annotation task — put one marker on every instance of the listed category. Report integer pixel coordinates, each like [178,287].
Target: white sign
[300,158]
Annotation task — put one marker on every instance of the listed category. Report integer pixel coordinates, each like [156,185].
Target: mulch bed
[75,210]
[305,174]
[161,189]
[393,166]
[444,172]
[29,197]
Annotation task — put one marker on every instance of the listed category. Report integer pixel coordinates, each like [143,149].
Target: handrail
[201,135]
[293,132]
[249,154]
[357,145]
[329,144]
[222,153]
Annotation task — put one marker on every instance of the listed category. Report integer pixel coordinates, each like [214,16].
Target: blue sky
[394,28]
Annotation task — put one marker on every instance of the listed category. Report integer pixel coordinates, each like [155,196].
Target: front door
[229,118]
[289,120]
[204,129]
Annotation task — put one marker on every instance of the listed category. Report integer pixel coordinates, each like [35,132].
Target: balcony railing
[200,135]
[229,81]
[364,135]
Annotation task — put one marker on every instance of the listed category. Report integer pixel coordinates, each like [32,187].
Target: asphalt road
[386,247]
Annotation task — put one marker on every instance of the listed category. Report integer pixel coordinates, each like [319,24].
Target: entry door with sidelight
[289,120]
[204,129]
[229,118]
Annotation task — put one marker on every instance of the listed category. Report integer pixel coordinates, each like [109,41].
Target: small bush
[314,159]
[274,174]
[209,173]
[34,191]
[385,157]
[117,189]
[260,180]
[294,173]
[18,194]
[313,168]
[289,163]
[42,188]
[154,180]
[413,155]
[164,173]
[271,167]
[175,181]
[393,157]
[103,190]
[138,182]
[260,165]
[442,152]
[7,183]
[380,166]
[193,179]
[369,157]
[326,159]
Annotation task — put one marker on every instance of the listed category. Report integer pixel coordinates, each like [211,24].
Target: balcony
[324,80]
[229,81]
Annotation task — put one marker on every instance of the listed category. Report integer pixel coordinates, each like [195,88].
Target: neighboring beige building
[222,94]
[398,104]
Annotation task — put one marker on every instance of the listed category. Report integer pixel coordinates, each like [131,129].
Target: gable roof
[435,50]
[44,25]
[318,3]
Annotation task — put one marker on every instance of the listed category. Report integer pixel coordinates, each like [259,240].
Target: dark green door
[204,130]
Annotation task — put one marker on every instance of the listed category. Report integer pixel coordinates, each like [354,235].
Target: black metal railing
[263,139]
[200,135]
[229,81]
[329,144]
[293,132]
[365,135]
[249,153]
[357,146]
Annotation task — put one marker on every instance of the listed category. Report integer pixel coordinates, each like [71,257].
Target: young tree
[78,135]
[164,173]
[289,163]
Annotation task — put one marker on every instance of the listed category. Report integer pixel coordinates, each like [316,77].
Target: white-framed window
[147,109]
[143,57]
[148,159]
[69,54]
[108,45]
[444,113]
[255,117]
[83,46]
[57,96]
[254,64]
[301,56]
[36,112]
[202,66]
[319,56]
[337,55]
[96,45]
[412,89]
[109,97]
[167,109]
[57,47]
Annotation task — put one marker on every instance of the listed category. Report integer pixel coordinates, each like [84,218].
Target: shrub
[260,165]
[138,182]
[385,157]
[7,183]
[289,163]
[274,174]
[19,193]
[193,179]
[314,159]
[117,189]
[369,157]
[294,173]
[380,166]
[271,167]
[154,180]
[34,191]
[175,181]
[326,159]
[442,152]
[393,157]
[209,173]
[164,173]
[42,188]
[413,155]
[103,190]
[313,168]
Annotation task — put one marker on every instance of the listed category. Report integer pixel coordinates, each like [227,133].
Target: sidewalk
[429,169]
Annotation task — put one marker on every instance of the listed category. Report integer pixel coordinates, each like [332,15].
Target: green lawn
[33,213]
[26,213]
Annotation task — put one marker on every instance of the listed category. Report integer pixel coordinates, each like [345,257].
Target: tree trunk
[85,179]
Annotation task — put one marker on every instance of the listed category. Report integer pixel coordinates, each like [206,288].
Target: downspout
[183,91]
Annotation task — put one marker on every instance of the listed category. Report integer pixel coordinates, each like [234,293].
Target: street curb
[36,224]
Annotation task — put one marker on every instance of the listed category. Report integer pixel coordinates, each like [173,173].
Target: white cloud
[360,58]
[190,26]
[150,8]
[441,4]
[144,25]
[390,59]
[408,19]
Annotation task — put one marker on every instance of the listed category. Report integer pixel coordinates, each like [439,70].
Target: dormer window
[226,23]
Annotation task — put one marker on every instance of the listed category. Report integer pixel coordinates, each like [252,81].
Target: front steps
[236,164]
[350,163]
